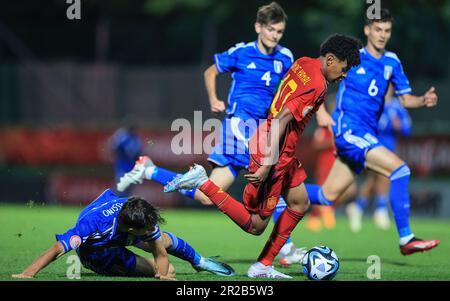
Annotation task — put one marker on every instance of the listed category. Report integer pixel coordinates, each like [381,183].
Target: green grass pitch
[27,231]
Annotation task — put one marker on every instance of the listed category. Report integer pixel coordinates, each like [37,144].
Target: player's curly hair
[345,48]
[137,213]
[271,14]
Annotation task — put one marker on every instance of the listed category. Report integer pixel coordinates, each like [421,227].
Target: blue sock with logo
[399,196]
[316,196]
[164,176]
[182,250]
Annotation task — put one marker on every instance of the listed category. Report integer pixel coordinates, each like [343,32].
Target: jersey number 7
[287,88]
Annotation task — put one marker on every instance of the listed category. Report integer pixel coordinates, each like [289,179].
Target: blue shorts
[390,142]
[232,149]
[110,261]
[353,145]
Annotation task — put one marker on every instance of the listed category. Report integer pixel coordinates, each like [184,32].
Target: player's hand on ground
[259,176]
[167,277]
[217,106]
[430,98]
[22,276]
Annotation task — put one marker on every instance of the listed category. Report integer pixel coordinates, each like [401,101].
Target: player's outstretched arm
[210,74]
[42,261]
[429,99]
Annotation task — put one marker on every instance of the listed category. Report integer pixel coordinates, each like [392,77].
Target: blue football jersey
[255,78]
[96,226]
[360,98]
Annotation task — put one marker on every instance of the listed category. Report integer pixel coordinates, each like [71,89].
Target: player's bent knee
[400,172]
[300,207]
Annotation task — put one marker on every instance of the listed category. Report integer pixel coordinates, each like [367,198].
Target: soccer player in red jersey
[274,170]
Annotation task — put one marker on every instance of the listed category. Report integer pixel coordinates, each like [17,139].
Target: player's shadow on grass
[364,260]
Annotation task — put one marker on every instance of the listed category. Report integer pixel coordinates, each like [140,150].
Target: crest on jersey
[75,241]
[272,202]
[278,66]
[387,72]
[306,110]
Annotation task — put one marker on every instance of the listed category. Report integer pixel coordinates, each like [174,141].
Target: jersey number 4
[266,77]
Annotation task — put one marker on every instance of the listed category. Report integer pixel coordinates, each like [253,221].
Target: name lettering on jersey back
[301,74]
[111,210]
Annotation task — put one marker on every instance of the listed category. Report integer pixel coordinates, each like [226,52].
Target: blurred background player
[274,170]
[394,122]
[257,69]
[107,226]
[126,147]
[359,106]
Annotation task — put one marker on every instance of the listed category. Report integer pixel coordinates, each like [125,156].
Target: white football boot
[355,215]
[258,270]
[136,175]
[194,178]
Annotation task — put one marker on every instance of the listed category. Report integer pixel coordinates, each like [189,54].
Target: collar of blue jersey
[275,50]
[370,55]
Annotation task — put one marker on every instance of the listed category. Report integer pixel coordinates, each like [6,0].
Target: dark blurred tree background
[187,32]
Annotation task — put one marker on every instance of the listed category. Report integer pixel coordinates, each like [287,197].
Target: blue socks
[316,196]
[183,250]
[399,196]
[381,201]
[160,175]
[361,202]
[164,176]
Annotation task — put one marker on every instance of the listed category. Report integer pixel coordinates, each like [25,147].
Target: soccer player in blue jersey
[393,122]
[107,226]
[257,69]
[359,105]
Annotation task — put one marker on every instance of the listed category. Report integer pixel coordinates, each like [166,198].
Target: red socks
[234,209]
[281,232]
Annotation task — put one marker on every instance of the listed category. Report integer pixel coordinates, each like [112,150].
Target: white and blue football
[320,263]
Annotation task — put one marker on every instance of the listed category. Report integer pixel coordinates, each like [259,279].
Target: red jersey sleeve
[301,105]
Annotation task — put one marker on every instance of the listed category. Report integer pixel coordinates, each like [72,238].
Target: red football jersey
[303,91]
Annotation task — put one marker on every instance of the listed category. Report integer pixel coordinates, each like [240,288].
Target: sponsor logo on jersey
[252,65]
[278,66]
[387,72]
[75,241]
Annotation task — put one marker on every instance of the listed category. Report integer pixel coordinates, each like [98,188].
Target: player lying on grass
[274,170]
[359,105]
[107,226]
[257,68]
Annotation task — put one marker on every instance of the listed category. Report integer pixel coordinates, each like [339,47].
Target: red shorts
[263,198]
